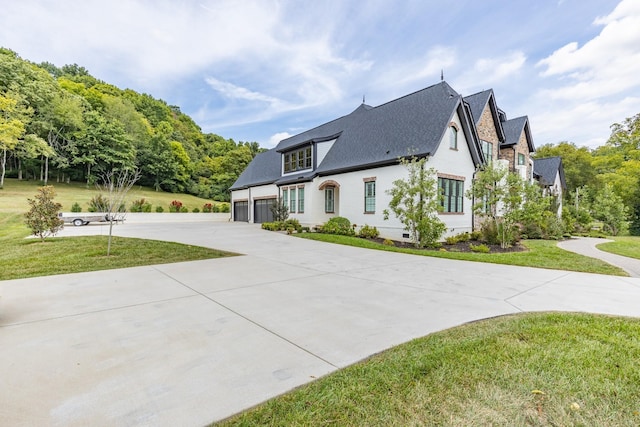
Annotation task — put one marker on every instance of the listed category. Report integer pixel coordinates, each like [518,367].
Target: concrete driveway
[190,343]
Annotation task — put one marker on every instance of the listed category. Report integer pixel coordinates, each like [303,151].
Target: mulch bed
[458,247]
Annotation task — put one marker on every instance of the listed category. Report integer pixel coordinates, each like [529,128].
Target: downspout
[250,208]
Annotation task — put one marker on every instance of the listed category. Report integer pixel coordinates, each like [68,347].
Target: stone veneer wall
[487,130]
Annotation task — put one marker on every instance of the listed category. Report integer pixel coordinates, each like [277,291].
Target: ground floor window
[300,199]
[452,195]
[292,203]
[329,200]
[370,197]
[285,197]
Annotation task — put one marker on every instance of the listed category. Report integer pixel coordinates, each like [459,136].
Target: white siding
[322,148]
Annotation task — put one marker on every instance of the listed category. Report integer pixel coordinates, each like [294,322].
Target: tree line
[603,182]
[62,124]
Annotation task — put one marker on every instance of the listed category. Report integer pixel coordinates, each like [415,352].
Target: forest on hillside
[605,180]
[62,124]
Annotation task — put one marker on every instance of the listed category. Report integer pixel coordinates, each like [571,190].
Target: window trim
[451,189]
[292,200]
[301,199]
[487,150]
[330,189]
[524,159]
[453,136]
[369,199]
[298,160]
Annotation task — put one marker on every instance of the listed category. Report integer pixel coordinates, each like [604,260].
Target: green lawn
[623,245]
[13,197]
[523,370]
[21,257]
[541,253]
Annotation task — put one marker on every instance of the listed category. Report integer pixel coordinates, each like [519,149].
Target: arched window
[453,137]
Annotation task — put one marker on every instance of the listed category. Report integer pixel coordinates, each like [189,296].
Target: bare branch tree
[115,185]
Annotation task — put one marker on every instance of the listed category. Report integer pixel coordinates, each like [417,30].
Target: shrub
[368,232]
[195,210]
[475,235]
[140,205]
[207,208]
[388,242]
[76,207]
[225,208]
[184,209]
[98,203]
[451,240]
[270,226]
[292,223]
[481,248]
[175,206]
[42,217]
[338,225]
[159,209]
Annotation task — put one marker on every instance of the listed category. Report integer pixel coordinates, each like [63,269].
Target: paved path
[587,246]
[189,343]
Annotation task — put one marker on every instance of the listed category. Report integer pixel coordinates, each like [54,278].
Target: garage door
[262,210]
[241,211]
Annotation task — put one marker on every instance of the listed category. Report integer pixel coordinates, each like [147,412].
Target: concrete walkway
[190,343]
[587,246]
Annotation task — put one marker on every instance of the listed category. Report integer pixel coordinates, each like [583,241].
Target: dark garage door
[262,210]
[241,211]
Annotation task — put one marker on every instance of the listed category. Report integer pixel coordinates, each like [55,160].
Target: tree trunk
[46,170]
[4,163]
[19,170]
[41,168]
[88,173]
[110,234]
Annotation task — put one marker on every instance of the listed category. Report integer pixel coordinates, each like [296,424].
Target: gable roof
[513,129]
[263,169]
[377,136]
[547,169]
[478,102]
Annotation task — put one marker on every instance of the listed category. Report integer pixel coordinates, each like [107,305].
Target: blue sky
[260,70]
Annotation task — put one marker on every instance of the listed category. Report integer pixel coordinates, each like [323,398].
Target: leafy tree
[609,208]
[42,217]
[499,196]
[279,210]
[11,129]
[415,202]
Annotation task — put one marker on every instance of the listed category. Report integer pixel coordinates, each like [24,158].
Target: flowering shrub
[175,206]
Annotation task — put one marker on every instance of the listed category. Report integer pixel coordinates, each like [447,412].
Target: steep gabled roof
[265,168]
[376,136]
[478,102]
[547,169]
[513,129]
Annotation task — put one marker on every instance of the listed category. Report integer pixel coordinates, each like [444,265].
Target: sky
[262,70]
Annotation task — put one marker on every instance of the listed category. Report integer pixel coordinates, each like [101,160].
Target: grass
[541,254]
[623,245]
[22,257]
[528,369]
[14,195]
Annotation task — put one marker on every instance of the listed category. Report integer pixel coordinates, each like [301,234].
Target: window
[487,150]
[452,191]
[370,197]
[329,200]
[301,200]
[292,205]
[298,160]
[520,159]
[453,138]
[285,197]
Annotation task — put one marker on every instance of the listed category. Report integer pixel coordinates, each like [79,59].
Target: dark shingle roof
[374,136]
[513,130]
[547,169]
[263,169]
[477,103]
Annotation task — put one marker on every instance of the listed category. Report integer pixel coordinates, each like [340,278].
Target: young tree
[498,197]
[279,210]
[42,217]
[609,208]
[415,202]
[115,185]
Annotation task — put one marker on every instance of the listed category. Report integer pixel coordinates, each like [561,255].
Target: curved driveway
[190,343]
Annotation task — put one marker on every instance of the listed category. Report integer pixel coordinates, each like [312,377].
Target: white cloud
[605,65]
[489,71]
[276,138]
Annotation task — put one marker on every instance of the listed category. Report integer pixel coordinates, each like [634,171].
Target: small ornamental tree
[415,202]
[42,217]
[279,210]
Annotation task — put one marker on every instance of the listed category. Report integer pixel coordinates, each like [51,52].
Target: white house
[345,167]
[550,174]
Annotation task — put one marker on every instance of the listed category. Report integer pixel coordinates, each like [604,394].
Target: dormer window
[298,159]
